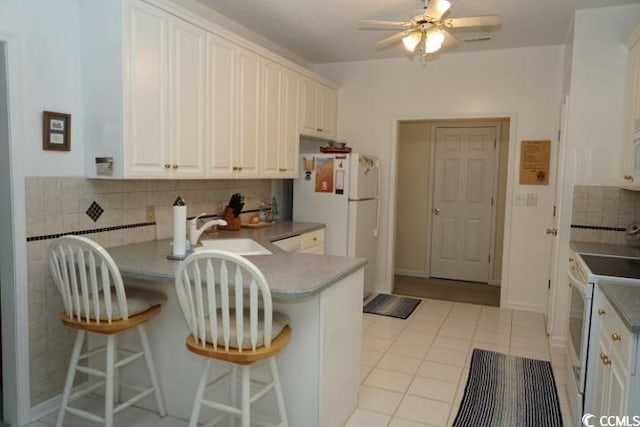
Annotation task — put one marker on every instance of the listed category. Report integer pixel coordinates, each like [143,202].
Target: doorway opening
[450,208]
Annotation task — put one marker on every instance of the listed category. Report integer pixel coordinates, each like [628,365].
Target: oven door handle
[573,279]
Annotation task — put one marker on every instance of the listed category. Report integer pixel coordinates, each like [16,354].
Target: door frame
[393,182]
[13,254]
[494,190]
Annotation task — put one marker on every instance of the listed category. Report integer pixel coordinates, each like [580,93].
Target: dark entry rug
[506,390]
[391,305]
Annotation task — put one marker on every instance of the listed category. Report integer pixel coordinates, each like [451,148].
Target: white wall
[522,83]
[49,39]
[597,95]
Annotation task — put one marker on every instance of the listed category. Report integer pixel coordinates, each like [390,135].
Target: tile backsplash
[111,213]
[601,214]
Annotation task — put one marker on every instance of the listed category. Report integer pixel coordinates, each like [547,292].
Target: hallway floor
[413,371]
[448,290]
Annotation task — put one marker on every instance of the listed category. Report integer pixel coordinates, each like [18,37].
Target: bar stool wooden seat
[227,304]
[95,301]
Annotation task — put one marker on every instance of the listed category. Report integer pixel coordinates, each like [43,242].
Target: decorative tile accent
[94,211]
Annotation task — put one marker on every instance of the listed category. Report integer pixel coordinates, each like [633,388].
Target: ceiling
[324,31]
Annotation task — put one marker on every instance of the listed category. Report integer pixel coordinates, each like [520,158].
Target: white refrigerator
[341,191]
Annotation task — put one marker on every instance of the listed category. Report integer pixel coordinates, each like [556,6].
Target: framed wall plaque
[56,131]
[534,162]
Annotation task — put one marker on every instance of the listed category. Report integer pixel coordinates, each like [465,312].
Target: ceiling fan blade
[436,8]
[385,23]
[474,21]
[450,40]
[394,38]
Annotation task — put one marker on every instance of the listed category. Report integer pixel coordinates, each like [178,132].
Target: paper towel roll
[179,228]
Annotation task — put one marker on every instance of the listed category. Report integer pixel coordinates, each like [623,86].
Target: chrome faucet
[195,232]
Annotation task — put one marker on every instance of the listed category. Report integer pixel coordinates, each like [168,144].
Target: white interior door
[463,193]
[553,230]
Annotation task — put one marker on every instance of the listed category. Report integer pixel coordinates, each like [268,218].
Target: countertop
[290,275]
[625,300]
[605,249]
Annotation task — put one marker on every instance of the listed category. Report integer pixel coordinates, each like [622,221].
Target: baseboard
[494,282]
[45,408]
[50,406]
[410,273]
[536,308]
[557,342]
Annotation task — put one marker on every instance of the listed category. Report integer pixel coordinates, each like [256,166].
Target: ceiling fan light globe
[433,41]
[411,41]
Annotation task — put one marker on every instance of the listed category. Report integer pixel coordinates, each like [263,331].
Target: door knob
[436,211]
[552,231]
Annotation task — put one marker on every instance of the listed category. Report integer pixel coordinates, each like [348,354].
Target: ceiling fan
[427,31]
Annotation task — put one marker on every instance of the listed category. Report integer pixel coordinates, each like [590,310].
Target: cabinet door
[273,117]
[187,91]
[602,374]
[146,133]
[617,390]
[248,113]
[290,141]
[309,107]
[326,112]
[221,95]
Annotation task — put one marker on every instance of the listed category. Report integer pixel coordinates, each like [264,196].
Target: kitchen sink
[237,246]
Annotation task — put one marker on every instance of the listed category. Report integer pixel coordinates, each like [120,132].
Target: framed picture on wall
[56,131]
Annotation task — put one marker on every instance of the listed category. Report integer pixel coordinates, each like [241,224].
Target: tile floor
[413,371]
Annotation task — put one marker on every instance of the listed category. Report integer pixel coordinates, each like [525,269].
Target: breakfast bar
[319,369]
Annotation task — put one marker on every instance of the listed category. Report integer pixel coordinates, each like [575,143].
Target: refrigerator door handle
[375,230]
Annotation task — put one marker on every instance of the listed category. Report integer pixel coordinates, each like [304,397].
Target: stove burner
[613,266]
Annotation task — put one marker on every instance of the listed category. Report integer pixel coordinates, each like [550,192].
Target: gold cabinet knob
[552,231]
[436,211]
[175,166]
[167,165]
[615,337]
[605,359]
[239,168]
[235,168]
[602,311]
[282,170]
[628,178]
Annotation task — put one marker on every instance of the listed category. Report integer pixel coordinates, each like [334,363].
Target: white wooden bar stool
[227,304]
[95,301]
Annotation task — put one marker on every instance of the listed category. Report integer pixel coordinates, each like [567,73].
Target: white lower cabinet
[615,386]
[310,243]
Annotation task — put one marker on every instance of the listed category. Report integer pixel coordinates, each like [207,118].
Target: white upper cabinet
[319,109]
[146,130]
[187,98]
[234,113]
[221,95]
[169,95]
[280,126]
[631,142]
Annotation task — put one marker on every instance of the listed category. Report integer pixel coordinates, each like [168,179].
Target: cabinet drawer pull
[167,165]
[282,170]
[602,311]
[616,337]
[235,168]
[628,178]
[605,359]
[319,129]
[175,166]
[239,168]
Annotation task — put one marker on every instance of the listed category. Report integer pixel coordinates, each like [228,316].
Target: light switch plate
[532,199]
